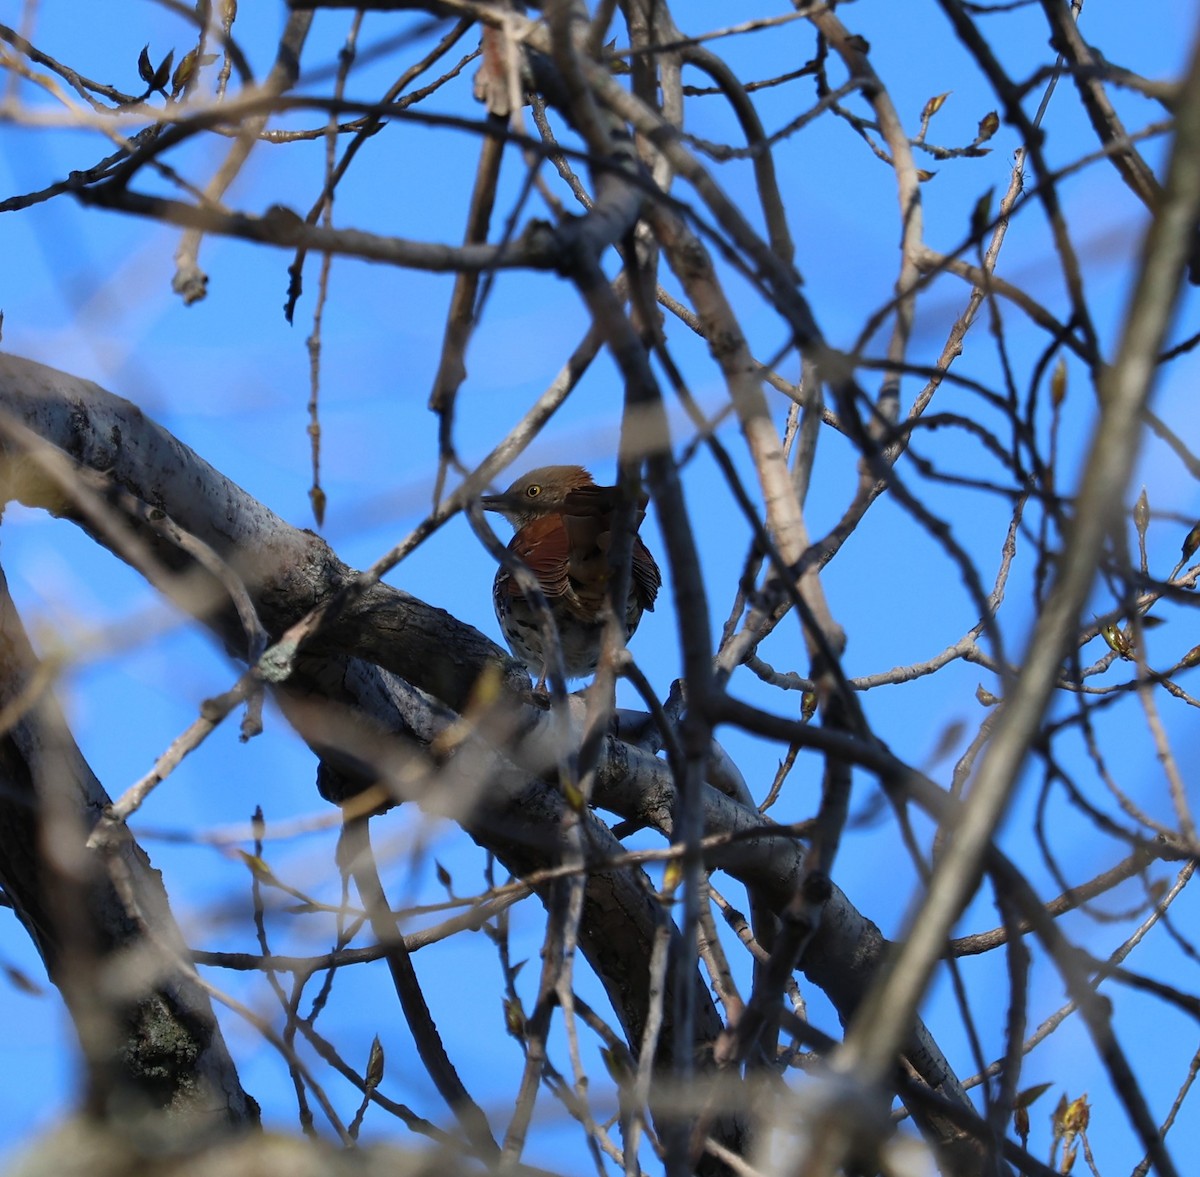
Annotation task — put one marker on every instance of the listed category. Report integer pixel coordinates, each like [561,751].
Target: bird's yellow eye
[533,491]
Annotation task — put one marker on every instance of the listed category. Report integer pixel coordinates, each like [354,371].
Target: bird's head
[540,492]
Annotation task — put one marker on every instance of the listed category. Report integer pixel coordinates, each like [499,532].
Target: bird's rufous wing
[591,542]
[647,579]
[543,546]
[589,520]
[569,556]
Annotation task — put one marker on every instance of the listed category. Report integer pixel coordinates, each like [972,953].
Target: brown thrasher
[563,523]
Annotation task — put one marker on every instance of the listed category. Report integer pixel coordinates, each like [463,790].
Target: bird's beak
[493,502]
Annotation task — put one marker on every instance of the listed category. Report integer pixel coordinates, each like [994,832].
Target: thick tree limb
[151,1042]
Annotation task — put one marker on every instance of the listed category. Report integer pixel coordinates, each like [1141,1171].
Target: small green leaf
[514,1018]
[259,868]
[672,876]
[318,501]
[1117,640]
[573,797]
[616,65]
[616,1066]
[1073,1118]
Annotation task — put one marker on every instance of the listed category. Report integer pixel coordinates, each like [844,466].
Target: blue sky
[89,292]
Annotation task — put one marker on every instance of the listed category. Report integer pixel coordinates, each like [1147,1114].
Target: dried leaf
[145,69]
[1141,513]
[22,981]
[1191,543]
[988,126]
[1031,1094]
[162,75]
[923,175]
[375,1064]
[1068,1161]
[183,71]
[1021,1109]
[985,696]
[443,875]
[951,734]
